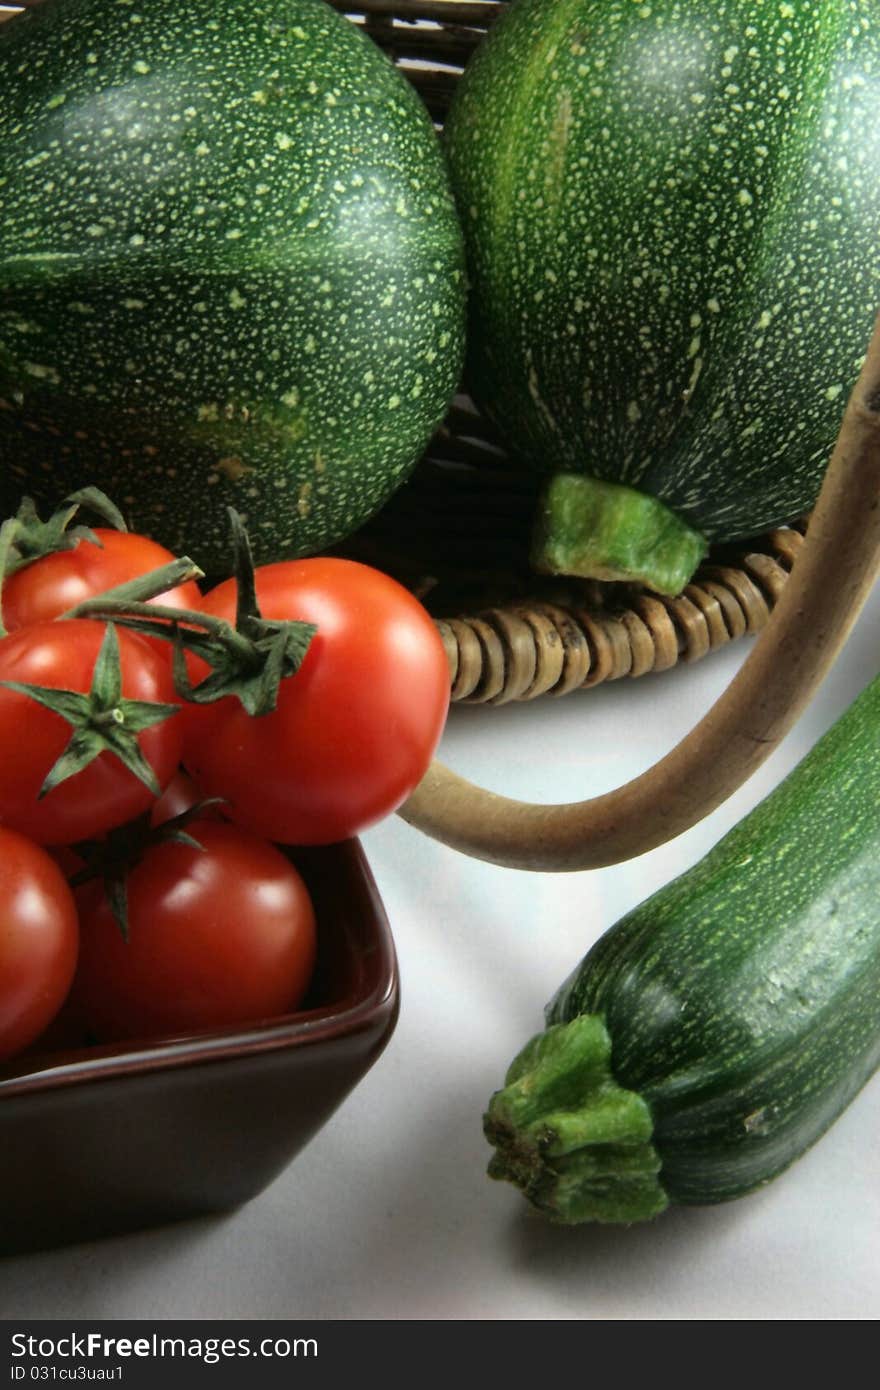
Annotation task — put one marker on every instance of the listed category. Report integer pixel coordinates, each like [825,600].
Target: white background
[388,1213]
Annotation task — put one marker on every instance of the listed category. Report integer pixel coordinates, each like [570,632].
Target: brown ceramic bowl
[110,1139]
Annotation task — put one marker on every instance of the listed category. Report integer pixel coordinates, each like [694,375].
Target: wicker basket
[507,639]
[523,642]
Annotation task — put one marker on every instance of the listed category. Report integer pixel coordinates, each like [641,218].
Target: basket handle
[830,582]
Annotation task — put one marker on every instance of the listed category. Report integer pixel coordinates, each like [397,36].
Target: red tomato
[105,794]
[354,729]
[55,583]
[38,941]
[217,936]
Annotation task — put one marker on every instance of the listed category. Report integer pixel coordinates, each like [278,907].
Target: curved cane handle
[830,581]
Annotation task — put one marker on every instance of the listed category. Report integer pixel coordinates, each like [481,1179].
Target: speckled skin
[671,210]
[743,1000]
[230,268]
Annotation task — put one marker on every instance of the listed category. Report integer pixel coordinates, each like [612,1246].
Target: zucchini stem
[576,1144]
[600,530]
[833,576]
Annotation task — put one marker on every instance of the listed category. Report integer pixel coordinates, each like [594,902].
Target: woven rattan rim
[521,651]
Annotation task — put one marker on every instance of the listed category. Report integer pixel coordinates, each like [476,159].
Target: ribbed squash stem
[602,530]
[576,1144]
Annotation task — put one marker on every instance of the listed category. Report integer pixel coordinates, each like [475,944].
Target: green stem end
[576,1144]
[601,530]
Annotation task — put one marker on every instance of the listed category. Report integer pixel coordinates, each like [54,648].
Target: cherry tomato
[216,936]
[55,583]
[105,794]
[38,941]
[354,729]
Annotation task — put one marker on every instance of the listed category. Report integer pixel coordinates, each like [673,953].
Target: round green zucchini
[670,210]
[716,1031]
[231,272]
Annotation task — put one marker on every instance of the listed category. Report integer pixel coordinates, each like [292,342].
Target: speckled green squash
[715,1032]
[230,268]
[671,210]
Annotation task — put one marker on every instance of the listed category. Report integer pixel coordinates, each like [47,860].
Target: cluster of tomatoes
[218,924]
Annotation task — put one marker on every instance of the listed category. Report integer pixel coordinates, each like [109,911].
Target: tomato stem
[247,609]
[248,660]
[25,538]
[112,857]
[141,589]
[103,720]
[153,619]
[108,718]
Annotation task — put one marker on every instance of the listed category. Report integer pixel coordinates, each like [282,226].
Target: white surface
[388,1214]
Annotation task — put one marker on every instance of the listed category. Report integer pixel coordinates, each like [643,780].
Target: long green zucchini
[231,271]
[716,1031]
[671,215]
